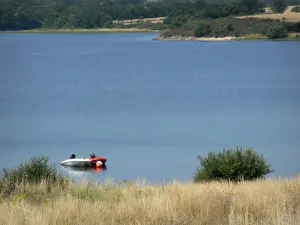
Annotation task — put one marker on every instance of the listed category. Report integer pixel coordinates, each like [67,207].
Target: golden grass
[291,17]
[288,9]
[259,202]
[287,15]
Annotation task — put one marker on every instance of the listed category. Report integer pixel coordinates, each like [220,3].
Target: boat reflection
[80,171]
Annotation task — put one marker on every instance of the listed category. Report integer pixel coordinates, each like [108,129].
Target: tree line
[31,14]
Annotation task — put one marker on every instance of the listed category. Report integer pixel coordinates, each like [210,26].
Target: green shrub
[232,165]
[36,170]
[296,9]
[278,6]
[292,27]
[202,30]
[182,32]
[277,32]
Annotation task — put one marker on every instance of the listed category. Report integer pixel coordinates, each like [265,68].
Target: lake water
[148,106]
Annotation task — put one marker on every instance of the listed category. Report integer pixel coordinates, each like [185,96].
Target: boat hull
[77,162]
[83,162]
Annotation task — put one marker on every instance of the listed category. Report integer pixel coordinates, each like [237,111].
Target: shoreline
[81,31]
[180,38]
[292,37]
[251,37]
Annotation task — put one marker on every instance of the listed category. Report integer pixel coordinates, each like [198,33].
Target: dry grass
[287,15]
[260,202]
[288,9]
[291,17]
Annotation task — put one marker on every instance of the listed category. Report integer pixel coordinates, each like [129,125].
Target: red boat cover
[96,159]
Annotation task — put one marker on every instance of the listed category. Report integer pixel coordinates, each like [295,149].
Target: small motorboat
[85,162]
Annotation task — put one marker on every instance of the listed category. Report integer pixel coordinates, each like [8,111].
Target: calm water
[150,107]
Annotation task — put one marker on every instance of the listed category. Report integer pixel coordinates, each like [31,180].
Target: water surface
[150,107]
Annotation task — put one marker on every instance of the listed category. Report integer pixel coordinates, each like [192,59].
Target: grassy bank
[291,37]
[259,37]
[258,202]
[234,29]
[84,31]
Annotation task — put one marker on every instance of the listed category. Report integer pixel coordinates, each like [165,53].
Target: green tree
[296,9]
[232,165]
[277,32]
[278,6]
[202,30]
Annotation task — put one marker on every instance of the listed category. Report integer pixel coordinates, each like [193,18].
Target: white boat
[80,162]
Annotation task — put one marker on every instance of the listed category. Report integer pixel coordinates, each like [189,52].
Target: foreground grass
[259,202]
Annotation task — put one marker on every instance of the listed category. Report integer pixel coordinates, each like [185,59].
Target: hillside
[93,14]
[287,15]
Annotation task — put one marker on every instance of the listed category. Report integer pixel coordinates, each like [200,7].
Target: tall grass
[272,201]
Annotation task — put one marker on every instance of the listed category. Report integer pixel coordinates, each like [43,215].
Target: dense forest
[30,14]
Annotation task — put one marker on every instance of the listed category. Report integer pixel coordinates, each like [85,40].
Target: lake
[150,107]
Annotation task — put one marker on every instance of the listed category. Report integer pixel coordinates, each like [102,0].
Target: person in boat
[92,155]
[72,156]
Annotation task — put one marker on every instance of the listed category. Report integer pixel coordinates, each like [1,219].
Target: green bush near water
[277,32]
[35,171]
[232,165]
[202,30]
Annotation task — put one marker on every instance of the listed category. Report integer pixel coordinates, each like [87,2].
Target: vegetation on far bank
[34,193]
[90,14]
[232,27]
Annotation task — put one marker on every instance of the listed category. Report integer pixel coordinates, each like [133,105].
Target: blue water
[148,106]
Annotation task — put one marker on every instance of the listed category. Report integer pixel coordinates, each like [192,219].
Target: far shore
[291,37]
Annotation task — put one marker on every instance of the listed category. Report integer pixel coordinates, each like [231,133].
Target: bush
[278,6]
[277,32]
[202,30]
[292,27]
[232,165]
[296,9]
[33,172]
[181,32]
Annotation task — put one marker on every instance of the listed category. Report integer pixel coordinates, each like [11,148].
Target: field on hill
[259,202]
[291,17]
[287,15]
